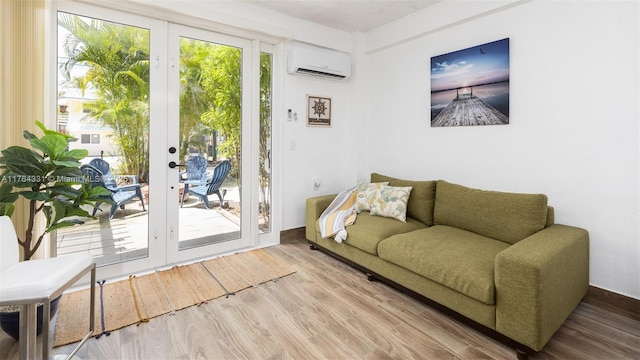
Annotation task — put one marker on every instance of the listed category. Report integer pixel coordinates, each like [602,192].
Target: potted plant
[48,176]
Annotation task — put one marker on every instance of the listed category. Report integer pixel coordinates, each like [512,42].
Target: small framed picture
[318,111]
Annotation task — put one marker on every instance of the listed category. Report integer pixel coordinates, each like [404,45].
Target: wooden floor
[328,310]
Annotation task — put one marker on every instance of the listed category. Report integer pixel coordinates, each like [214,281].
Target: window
[90,138]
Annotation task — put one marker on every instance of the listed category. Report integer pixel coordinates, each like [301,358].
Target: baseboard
[614,302]
[296,234]
[604,299]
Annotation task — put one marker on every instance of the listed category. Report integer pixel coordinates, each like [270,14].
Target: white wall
[573,132]
[321,153]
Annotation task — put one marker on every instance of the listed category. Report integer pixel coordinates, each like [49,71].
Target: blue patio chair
[119,195]
[196,169]
[213,185]
[196,174]
[110,179]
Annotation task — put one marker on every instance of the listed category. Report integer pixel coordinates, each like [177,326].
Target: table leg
[28,333]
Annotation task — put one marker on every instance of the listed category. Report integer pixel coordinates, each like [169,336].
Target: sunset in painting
[471,86]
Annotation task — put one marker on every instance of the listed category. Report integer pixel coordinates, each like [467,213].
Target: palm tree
[222,81]
[117,58]
[192,96]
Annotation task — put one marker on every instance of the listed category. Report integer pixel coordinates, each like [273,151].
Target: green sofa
[494,258]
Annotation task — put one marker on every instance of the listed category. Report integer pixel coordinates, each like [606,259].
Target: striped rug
[140,298]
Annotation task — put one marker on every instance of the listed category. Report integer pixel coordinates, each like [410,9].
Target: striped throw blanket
[340,214]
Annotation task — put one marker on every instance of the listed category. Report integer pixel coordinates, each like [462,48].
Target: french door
[182,119]
[210,84]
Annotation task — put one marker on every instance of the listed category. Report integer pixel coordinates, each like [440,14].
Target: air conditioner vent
[316,61]
[319,73]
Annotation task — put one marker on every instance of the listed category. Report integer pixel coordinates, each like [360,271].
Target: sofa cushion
[509,217]
[368,231]
[459,259]
[391,202]
[423,195]
[367,193]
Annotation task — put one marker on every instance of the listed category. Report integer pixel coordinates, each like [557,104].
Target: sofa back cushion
[421,200]
[509,217]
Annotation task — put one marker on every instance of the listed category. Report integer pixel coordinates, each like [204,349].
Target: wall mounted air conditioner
[316,61]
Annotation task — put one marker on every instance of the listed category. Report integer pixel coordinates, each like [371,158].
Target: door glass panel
[210,143]
[103,101]
[265,158]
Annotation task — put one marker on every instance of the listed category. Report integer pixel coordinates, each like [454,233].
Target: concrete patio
[125,237]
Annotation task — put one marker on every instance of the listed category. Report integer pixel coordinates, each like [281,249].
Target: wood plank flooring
[328,310]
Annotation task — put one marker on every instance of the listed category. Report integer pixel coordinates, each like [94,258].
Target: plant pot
[10,321]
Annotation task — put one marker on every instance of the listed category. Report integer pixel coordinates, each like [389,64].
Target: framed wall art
[318,111]
[471,86]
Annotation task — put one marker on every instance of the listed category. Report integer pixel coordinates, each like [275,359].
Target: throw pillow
[391,202]
[367,193]
[423,196]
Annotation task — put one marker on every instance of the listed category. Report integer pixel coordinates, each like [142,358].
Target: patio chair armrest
[132,178]
[127,187]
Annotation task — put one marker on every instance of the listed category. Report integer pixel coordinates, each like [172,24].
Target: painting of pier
[471,86]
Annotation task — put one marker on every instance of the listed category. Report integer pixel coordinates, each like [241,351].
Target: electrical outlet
[316,184]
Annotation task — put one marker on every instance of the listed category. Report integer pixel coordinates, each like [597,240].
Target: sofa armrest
[539,282]
[315,207]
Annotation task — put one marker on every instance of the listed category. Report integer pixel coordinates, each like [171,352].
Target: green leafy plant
[48,176]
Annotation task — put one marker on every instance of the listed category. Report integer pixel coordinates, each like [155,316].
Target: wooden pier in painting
[468,109]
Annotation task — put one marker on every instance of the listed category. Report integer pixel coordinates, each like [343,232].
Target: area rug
[140,298]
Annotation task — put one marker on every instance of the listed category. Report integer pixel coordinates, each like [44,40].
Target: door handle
[173,164]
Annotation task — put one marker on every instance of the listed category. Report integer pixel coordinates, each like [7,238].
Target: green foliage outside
[117,57]
[222,82]
[210,92]
[193,97]
[265,137]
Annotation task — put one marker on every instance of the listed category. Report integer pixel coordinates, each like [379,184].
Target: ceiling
[347,15]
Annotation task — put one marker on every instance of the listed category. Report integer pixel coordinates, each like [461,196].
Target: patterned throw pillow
[391,202]
[367,193]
